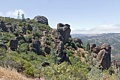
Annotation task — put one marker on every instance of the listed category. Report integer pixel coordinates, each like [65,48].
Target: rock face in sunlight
[41,19]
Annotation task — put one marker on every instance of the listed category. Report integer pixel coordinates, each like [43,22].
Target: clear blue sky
[82,15]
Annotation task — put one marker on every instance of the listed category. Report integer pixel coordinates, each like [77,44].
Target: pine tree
[88,46]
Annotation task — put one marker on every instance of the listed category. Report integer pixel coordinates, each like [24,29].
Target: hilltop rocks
[64,30]
[41,19]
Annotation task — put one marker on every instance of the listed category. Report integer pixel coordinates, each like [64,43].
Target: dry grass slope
[11,74]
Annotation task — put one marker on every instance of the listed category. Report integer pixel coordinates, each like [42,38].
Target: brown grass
[11,74]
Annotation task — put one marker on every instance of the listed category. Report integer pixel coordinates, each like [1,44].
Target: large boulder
[41,19]
[64,30]
[13,44]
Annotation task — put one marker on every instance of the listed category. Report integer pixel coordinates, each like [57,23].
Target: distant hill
[111,38]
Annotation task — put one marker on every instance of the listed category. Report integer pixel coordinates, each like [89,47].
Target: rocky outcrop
[103,59]
[41,19]
[64,31]
[61,37]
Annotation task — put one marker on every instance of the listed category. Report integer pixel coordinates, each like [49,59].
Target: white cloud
[100,29]
[12,13]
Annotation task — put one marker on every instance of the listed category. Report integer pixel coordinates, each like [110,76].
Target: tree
[88,46]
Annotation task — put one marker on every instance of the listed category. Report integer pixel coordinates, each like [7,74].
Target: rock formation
[41,19]
[103,59]
[64,31]
[60,37]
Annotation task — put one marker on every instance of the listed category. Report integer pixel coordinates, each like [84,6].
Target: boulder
[35,46]
[77,40]
[12,29]
[3,26]
[19,38]
[13,44]
[47,49]
[29,27]
[41,19]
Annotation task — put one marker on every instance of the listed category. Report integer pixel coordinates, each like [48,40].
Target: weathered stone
[41,19]
[13,44]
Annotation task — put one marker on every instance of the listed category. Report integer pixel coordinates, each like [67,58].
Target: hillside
[34,49]
[111,38]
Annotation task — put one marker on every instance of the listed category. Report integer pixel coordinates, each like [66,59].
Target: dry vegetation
[11,74]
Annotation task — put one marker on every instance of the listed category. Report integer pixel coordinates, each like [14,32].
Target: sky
[84,16]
